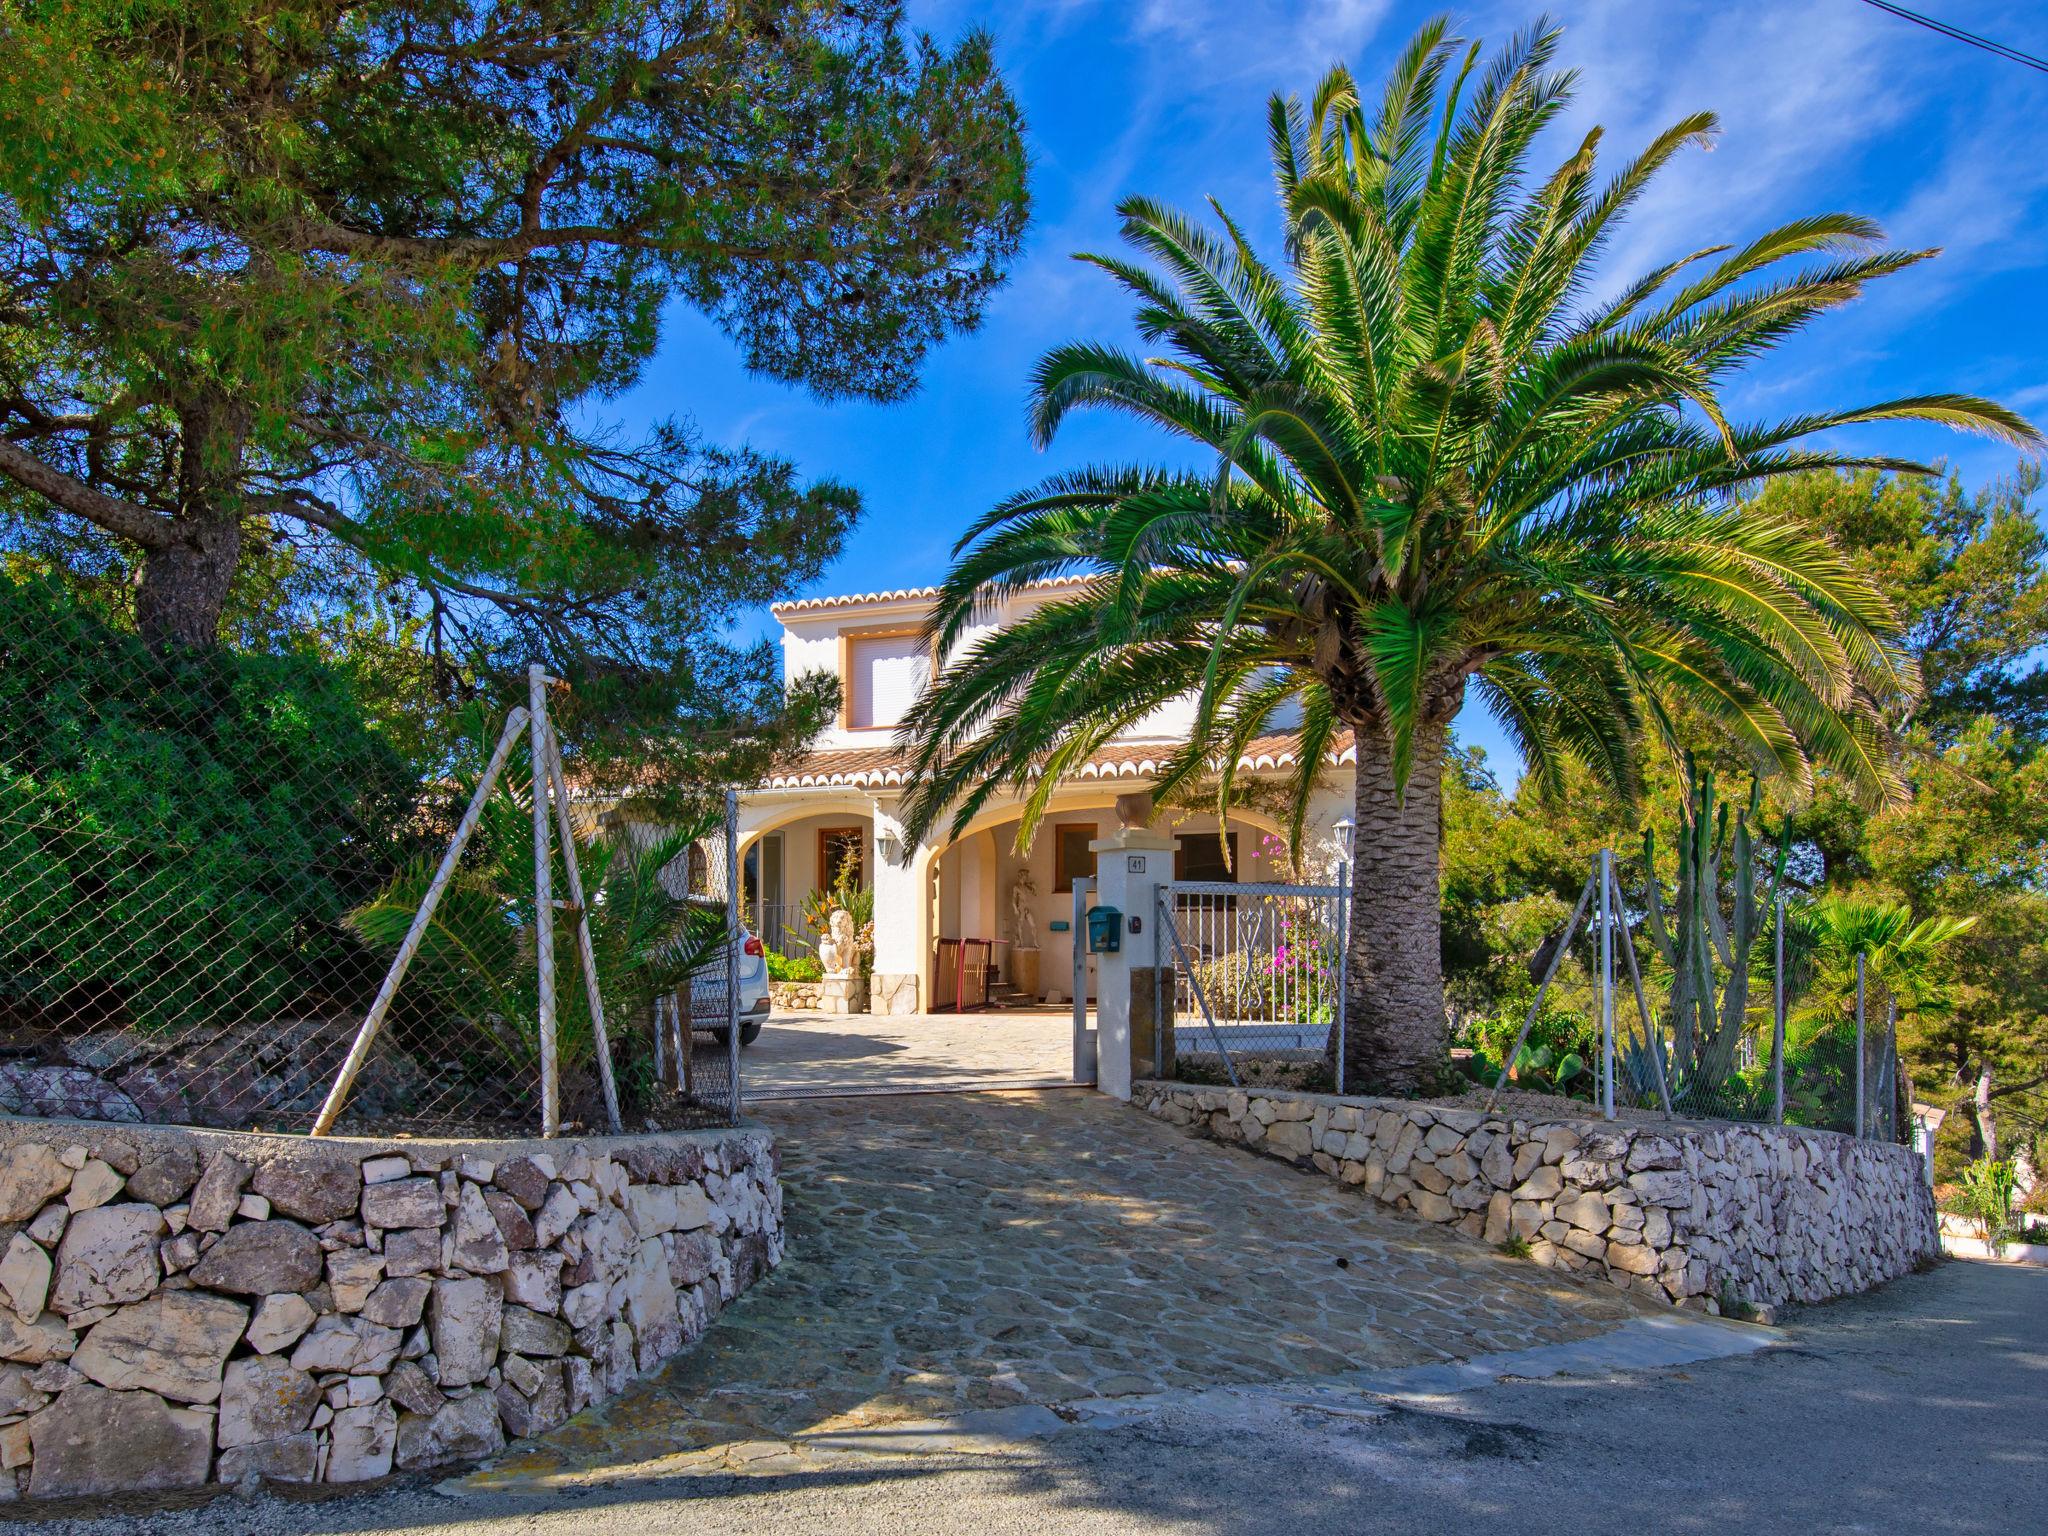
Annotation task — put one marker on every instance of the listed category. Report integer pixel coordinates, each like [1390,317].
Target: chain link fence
[208,864]
[1719,1024]
[697,1030]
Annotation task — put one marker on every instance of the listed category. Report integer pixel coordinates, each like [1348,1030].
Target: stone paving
[956,1253]
[800,1053]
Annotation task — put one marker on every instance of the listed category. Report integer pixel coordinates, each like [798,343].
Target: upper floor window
[884,674]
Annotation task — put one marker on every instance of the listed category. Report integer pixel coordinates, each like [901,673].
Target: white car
[707,991]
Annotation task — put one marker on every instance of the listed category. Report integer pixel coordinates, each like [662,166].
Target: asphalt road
[1921,1408]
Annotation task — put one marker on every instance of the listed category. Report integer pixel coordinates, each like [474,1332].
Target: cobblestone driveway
[802,1053]
[960,1252]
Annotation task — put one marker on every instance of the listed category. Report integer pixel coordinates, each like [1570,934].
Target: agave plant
[1442,461]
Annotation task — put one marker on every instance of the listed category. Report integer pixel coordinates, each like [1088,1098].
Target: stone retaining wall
[806,995]
[180,1307]
[1687,1213]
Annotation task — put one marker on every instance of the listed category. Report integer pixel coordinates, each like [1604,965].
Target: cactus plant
[1706,939]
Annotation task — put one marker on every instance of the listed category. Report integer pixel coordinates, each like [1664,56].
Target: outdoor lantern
[1347,836]
[889,845]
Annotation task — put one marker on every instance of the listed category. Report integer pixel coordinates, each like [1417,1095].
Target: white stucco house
[840,803]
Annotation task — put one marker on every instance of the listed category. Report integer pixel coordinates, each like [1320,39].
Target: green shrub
[1296,986]
[1559,1030]
[179,835]
[475,986]
[782,967]
[1986,1195]
[1820,1078]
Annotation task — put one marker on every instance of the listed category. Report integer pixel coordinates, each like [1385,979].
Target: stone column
[899,921]
[1129,869]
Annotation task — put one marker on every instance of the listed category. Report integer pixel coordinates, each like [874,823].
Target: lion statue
[839,949]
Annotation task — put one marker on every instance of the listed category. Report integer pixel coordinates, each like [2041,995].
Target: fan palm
[1441,464]
[476,961]
[1901,959]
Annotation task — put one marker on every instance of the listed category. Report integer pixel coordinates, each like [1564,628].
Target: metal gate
[1257,972]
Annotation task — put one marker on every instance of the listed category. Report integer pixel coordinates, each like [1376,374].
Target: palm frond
[1429,465]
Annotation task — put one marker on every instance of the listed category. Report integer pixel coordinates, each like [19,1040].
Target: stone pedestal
[843,994]
[1024,971]
[892,992]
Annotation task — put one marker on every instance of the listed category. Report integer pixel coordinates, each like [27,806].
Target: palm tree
[476,980]
[1901,960]
[1443,460]
[1903,965]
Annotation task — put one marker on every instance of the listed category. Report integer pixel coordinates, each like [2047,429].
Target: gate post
[1130,866]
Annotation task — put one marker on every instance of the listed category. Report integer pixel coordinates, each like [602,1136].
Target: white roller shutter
[889,672]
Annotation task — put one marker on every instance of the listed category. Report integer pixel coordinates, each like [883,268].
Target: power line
[1960,35]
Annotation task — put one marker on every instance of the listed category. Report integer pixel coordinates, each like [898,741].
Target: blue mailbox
[1105,931]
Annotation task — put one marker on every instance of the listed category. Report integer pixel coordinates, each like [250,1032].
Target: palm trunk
[1396,1036]
[1987,1121]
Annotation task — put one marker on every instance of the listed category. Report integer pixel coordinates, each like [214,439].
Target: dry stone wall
[182,1307]
[1687,1213]
[796,994]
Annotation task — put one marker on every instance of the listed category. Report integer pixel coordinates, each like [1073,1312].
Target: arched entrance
[972,967]
[972,893]
[786,855]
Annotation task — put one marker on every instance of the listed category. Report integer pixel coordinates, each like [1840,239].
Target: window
[1072,858]
[842,852]
[884,676]
[1200,857]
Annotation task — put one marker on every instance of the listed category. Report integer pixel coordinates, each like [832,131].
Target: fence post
[1342,949]
[359,1051]
[543,898]
[732,948]
[1084,1038]
[1859,1045]
[1778,1014]
[1607,981]
[1162,914]
[1130,865]
[572,874]
[1891,1067]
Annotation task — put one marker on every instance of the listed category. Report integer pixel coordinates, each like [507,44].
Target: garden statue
[1023,917]
[839,949]
[1023,961]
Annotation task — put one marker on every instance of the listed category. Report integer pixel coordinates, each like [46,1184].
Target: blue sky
[1824,104]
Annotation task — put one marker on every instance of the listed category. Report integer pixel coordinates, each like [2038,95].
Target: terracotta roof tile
[886,767]
[907,594]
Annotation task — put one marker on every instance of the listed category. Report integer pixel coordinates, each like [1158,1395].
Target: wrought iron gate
[1256,970]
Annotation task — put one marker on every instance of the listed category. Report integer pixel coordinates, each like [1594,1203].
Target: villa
[838,808]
